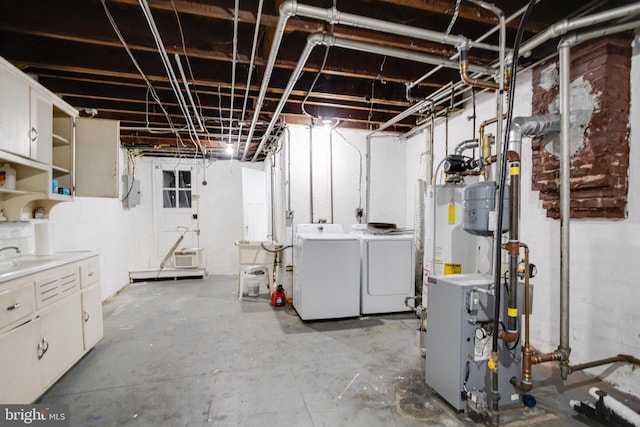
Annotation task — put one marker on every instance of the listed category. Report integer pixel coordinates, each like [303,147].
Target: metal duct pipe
[465,145]
[292,8]
[520,126]
[564,48]
[418,236]
[565,204]
[316,39]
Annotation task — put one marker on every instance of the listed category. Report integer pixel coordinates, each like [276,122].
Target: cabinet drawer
[55,285]
[89,272]
[16,304]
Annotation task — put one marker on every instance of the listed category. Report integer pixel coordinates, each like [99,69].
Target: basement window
[176,189]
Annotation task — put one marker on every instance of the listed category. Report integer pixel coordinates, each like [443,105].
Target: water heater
[448,248]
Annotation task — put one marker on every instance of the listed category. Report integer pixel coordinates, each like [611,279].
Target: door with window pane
[176,207]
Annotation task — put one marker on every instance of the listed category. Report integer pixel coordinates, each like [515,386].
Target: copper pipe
[484,84]
[526,348]
[485,124]
[547,357]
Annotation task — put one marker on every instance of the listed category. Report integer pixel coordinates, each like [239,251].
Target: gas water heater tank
[479,206]
[448,248]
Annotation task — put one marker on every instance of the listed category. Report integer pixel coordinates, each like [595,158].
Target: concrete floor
[188,353]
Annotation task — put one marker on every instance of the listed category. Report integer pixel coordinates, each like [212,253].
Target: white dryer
[387,269]
[326,272]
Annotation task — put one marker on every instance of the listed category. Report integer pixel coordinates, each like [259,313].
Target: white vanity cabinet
[49,320]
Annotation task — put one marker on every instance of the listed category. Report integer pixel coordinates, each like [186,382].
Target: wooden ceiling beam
[466,12]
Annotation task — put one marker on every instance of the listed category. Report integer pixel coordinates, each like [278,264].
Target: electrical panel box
[131,191]
[460,314]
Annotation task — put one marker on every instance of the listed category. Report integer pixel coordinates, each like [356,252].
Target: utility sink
[21,264]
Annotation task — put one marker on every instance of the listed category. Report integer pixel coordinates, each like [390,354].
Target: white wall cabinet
[41,119]
[96,139]
[57,155]
[42,337]
[14,113]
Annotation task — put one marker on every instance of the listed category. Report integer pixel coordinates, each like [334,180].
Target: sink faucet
[17,249]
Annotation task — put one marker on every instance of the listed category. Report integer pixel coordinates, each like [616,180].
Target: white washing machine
[326,272]
[387,269]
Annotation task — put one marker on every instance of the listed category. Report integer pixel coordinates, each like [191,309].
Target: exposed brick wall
[600,163]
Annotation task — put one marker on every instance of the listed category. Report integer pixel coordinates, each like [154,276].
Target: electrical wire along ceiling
[220,79]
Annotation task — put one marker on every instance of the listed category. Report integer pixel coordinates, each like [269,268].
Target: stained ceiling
[105,58]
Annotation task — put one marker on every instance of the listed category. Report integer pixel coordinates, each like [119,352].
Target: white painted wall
[124,237]
[388,176]
[99,224]
[604,267]
[220,213]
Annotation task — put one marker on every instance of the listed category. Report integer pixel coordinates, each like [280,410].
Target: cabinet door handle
[14,306]
[90,274]
[86,316]
[34,134]
[43,347]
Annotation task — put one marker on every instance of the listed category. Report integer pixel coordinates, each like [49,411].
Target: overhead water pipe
[234,61]
[563,27]
[564,49]
[254,47]
[563,352]
[188,91]
[526,47]
[422,78]
[169,69]
[291,8]
[316,39]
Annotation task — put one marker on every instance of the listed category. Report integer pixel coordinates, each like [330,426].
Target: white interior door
[254,204]
[175,207]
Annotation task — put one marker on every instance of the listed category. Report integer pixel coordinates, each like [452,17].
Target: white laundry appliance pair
[338,274]
[387,269]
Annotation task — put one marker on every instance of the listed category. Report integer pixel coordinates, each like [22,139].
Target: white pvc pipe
[619,408]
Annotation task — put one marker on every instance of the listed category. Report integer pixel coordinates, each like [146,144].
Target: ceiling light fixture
[229,149]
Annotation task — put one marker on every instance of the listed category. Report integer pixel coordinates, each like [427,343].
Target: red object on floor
[278,297]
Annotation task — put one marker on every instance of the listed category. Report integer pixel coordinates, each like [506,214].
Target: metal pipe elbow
[522,385]
[289,8]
